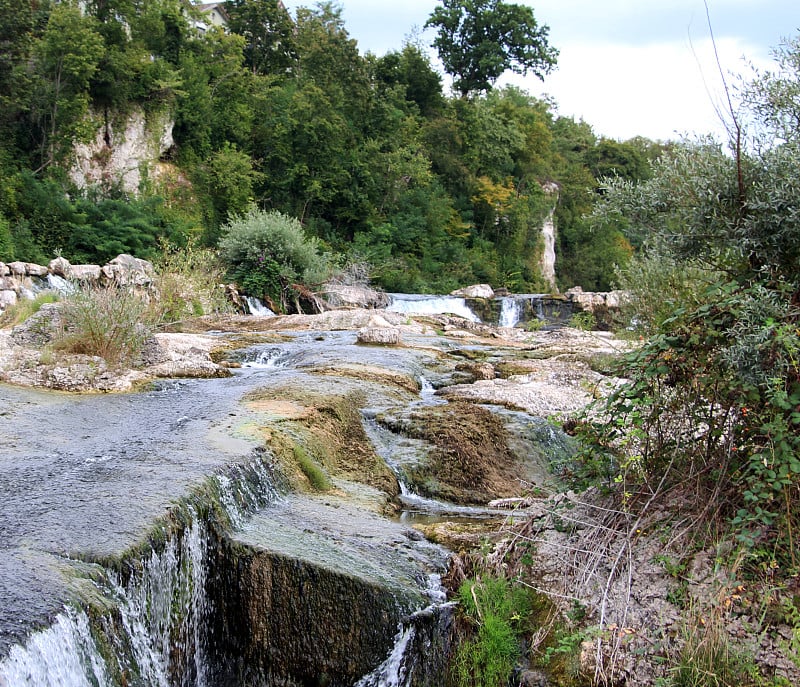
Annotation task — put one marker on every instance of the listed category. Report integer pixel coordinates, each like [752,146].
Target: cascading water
[431,305]
[256,307]
[510,312]
[161,608]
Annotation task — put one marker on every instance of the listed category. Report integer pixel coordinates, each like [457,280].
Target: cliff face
[124,149]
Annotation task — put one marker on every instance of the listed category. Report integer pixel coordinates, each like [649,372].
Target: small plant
[585,321]
[498,610]
[110,322]
[534,325]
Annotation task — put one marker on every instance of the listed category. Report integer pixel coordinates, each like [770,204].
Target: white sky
[627,67]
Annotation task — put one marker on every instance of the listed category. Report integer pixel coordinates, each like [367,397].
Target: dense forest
[377,161]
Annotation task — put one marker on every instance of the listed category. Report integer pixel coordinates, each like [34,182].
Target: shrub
[189,283]
[267,253]
[110,322]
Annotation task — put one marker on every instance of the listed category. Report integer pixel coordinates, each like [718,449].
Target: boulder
[4,271]
[381,336]
[126,270]
[86,273]
[40,328]
[61,267]
[475,291]
[17,268]
[343,296]
[7,298]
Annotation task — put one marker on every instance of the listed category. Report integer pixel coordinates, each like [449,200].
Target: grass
[109,322]
[24,308]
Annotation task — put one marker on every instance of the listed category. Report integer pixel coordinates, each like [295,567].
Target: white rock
[475,291]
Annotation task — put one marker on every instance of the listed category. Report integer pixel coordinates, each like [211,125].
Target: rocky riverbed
[381,428]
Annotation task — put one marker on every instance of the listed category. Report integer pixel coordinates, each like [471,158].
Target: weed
[23,309]
[109,322]
[583,320]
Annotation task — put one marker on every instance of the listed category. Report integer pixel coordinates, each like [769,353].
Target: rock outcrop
[25,279]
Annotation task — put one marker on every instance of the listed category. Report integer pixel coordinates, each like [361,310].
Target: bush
[190,283]
[267,254]
[110,322]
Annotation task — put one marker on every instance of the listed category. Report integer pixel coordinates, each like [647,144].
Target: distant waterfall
[510,312]
[414,304]
[256,307]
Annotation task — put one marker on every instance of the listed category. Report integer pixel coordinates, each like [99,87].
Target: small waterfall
[510,312]
[431,305]
[407,655]
[265,358]
[65,654]
[257,308]
[158,630]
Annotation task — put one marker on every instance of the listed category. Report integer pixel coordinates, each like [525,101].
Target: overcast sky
[627,67]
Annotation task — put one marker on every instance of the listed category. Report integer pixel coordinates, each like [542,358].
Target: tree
[479,40]
[269,32]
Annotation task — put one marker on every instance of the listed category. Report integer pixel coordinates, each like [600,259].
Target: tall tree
[479,40]
[269,32]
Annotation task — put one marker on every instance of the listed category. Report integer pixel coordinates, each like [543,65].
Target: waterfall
[64,654]
[510,312]
[266,358]
[257,308]
[158,628]
[431,305]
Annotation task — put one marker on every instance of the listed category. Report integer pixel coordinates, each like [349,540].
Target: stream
[149,538]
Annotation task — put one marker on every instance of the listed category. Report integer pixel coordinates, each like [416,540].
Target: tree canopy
[479,40]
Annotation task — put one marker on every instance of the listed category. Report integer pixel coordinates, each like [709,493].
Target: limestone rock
[26,269]
[126,270]
[61,267]
[181,355]
[86,273]
[475,291]
[40,328]
[4,271]
[343,296]
[382,336]
[7,298]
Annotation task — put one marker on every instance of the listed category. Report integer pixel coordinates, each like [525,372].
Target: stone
[61,267]
[126,270]
[7,298]
[17,268]
[382,336]
[475,291]
[4,271]
[532,678]
[343,296]
[86,273]
[40,328]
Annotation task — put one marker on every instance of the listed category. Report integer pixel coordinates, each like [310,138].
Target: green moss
[314,473]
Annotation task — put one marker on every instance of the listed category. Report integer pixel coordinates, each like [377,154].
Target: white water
[510,312]
[413,304]
[267,358]
[392,672]
[64,655]
[256,307]
[162,607]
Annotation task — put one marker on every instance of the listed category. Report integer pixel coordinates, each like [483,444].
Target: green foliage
[6,241]
[479,40]
[583,320]
[268,252]
[111,322]
[498,609]
[189,283]
[25,307]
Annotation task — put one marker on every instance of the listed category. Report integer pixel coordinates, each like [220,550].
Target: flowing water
[111,507]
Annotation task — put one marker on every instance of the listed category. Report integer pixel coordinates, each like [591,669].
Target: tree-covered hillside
[369,152]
